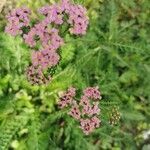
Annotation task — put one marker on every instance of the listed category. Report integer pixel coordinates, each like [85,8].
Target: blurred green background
[114,54]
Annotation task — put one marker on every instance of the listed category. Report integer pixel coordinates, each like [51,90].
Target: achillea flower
[84,101]
[85,111]
[49,38]
[35,76]
[86,126]
[17,19]
[67,98]
[77,15]
[78,19]
[95,110]
[75,111]
[51,58]
[45,58]
[65,5]
[36,33]
[54,41]
[92,92]
[53,14]
[41,33]
[29,38]
[95,121]
[91,110]
[36,58]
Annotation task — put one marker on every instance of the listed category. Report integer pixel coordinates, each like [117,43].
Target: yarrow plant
[46,33]
[86,110]
[17,19]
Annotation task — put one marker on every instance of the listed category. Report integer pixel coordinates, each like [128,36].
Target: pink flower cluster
[45,34]
[53,14]
[17,19]
[36,76]
[67,98]
[92,93]
[86,111]
[49,38]
[45,58]
[88,125]
[77,17]
[50,41]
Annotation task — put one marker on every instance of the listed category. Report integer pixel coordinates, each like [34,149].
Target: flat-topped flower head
[17,19]
[92,92]
[95,121]
[36,77]
[89,109]
[78,19]
[77,16]
[85,110]
[45,58]
[86,126]
[65,5]
[67,97]
[49,38]
[84,101]
[50,57]
[55,41]
[53,14]
[95,110]
[75,111]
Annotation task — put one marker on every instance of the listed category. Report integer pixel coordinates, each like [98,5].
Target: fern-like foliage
[9,128]
[14,55]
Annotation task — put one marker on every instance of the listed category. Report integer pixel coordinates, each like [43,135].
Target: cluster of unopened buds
[86,111]
[46,33]
[114,116]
